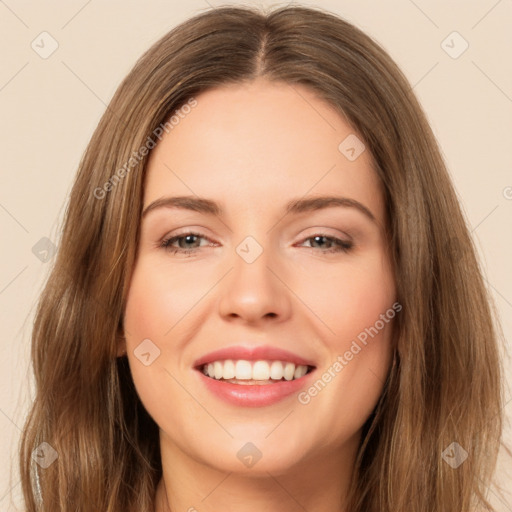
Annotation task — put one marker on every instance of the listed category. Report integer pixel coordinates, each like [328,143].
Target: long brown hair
[445,383]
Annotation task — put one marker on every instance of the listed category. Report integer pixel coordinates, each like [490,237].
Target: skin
[252,148]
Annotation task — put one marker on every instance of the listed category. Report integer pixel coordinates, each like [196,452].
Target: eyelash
[340,245]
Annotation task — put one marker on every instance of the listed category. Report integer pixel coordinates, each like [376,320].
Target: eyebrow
[295,206]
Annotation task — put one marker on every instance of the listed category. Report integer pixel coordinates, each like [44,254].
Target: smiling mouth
[259,372]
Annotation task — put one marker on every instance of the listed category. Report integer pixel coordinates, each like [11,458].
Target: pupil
[319,238]
[189,239]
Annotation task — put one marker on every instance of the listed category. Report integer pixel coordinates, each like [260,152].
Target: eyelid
[339,244]
[192,230]
[315,230]
[330,232]
[182,234]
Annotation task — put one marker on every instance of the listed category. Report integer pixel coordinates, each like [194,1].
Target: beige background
[51,106]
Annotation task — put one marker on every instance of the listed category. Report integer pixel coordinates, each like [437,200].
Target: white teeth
[261,370]
[276,370]
[218,369]
[289,370]
[229,370]
[254,370]
[300,371]
[243,370]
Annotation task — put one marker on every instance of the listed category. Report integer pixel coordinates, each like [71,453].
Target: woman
[265,296]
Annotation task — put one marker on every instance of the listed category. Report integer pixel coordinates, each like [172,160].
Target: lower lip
[257,395]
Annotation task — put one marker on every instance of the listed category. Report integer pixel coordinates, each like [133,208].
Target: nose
[255,292]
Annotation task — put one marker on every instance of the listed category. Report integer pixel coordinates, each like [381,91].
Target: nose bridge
[252,291]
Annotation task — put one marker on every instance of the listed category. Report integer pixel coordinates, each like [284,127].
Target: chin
[253,454]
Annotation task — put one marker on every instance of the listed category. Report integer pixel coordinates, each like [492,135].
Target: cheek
[148,316]
[359,344]
[351,298]
[158,299]
[357,338]
[159,308]
[152,309]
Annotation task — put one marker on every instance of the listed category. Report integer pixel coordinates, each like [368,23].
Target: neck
[315,483]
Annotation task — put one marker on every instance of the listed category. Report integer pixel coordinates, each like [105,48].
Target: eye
[185,241]
[335,244]
[188,243]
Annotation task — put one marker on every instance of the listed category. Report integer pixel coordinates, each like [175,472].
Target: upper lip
[255,353]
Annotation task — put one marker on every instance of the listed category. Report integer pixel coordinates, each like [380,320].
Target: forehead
[259,144]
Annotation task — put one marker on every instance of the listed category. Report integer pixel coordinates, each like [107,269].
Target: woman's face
[279,284]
